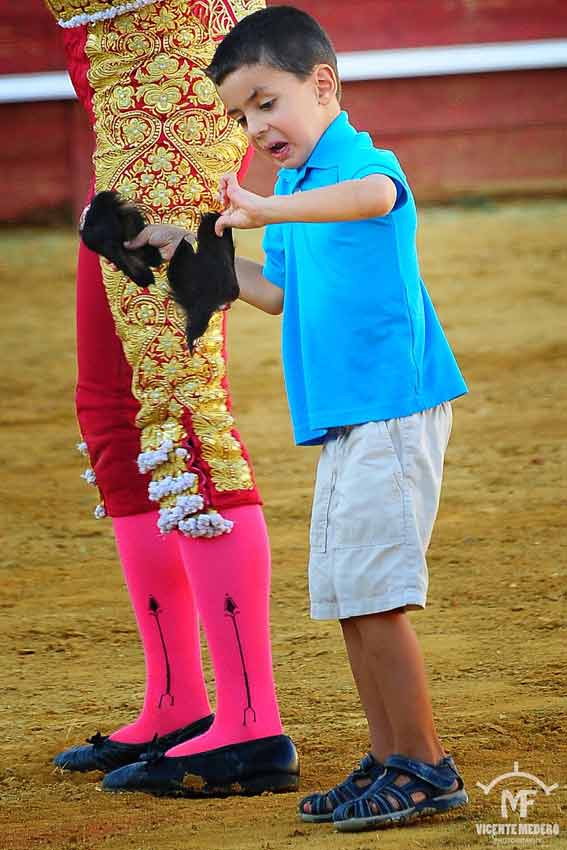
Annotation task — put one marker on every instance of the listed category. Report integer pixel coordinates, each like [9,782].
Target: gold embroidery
[224,14]
[163,139]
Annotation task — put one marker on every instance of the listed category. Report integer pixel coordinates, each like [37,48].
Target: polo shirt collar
[326,152]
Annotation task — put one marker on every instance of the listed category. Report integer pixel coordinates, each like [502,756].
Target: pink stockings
[169,628]
[226,579]
[230,576]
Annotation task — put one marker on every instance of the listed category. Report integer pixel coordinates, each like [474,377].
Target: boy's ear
[326,83]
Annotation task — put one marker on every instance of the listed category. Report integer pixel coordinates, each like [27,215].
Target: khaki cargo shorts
[376,499]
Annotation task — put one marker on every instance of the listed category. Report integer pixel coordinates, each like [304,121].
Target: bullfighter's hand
[166,237]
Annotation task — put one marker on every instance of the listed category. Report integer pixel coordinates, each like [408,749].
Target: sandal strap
[400,793]
[381,798]
[360,807]
[441,775]
[341,793]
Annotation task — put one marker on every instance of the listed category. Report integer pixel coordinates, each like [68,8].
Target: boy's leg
[387,665]
[394,662]
[419,778]
[379,727]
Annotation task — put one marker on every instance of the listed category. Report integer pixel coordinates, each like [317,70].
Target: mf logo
[519,800]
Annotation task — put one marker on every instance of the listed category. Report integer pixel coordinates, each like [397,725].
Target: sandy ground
[494,633]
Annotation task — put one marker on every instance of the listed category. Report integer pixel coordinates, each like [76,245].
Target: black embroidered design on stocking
[155,612]
[231,610]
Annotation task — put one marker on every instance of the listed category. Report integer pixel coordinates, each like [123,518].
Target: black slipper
[101,753]
[252,767]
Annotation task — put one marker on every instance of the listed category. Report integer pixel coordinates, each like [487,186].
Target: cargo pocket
[369,499]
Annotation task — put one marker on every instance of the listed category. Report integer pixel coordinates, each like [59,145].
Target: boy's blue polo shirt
[360,337]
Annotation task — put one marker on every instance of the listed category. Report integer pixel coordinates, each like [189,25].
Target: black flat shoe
[101,753]
[252,767]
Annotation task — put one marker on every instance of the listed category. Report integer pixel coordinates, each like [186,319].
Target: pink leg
[169,628]
[230,576]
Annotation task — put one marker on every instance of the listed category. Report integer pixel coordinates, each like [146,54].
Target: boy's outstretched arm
[351,200]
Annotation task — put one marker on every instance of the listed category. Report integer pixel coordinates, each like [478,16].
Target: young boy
[369,375]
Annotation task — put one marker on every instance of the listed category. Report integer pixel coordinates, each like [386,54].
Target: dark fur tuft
[109,222]
[202,281]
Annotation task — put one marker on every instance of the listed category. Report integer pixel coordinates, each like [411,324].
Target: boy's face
[282,115]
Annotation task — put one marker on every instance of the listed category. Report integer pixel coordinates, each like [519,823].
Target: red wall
[29,40]
[385,24]
[476,133]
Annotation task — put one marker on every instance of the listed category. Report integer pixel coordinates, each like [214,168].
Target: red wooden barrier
[385,24]
[31,42]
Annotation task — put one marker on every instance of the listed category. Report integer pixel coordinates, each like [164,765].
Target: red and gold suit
[156,422]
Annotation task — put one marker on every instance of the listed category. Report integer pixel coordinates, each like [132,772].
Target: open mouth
[279,150]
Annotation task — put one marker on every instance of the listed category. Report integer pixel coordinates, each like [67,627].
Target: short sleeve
[383,162]
[273,245]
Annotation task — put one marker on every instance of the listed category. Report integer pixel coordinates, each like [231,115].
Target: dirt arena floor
[494,633]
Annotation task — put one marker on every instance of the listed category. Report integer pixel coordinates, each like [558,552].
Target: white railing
[358,65]
[457,59]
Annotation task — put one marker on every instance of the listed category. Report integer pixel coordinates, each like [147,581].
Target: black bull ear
[109,222]
[202,281]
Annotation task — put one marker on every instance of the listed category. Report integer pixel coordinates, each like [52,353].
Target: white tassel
[170,484]
[105,14]
[206,525]
[152,459]
[89,476]
[83,449]
[99,511]
[169,518]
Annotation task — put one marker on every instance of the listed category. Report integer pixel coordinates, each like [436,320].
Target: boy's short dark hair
[281,36]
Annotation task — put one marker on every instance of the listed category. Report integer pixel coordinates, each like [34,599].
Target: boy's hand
[166,237]
[243,209]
